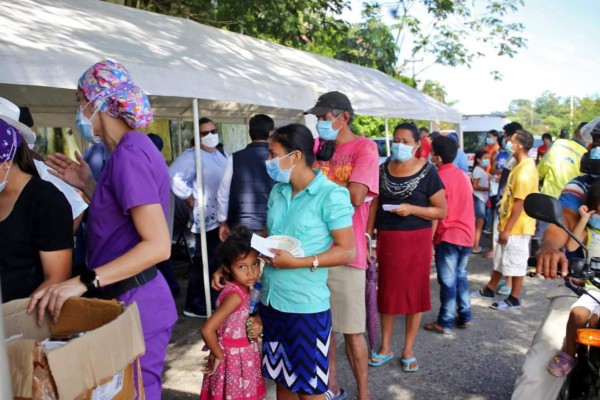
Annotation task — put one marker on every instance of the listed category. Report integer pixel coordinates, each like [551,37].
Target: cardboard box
[98,365]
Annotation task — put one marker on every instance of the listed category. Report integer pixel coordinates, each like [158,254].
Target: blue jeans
[451,264]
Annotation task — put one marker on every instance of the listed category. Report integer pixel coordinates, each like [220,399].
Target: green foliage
[370,43]
[551,113]
[451,22]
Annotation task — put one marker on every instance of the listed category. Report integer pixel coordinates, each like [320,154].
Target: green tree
[370,43]
[451,22]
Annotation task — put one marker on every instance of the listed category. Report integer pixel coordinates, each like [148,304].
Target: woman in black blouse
[411,196]
[36,224]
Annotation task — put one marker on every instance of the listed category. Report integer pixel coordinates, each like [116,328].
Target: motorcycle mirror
[545,208]
[548,209]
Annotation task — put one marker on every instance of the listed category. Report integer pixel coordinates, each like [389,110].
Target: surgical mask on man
[85,126]
[402,152]
[326,131]
[275,171]
[508,147]
[210,140]
[595,153]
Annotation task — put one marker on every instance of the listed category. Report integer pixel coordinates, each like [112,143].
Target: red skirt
[404,264]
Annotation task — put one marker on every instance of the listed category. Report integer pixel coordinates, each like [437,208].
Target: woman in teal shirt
[295,300]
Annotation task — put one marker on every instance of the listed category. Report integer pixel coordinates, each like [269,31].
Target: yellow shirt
[559,165]
[523,180]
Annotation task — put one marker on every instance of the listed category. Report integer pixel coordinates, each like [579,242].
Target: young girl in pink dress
[233,369]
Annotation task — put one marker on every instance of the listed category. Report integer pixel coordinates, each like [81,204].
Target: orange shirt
[491,149]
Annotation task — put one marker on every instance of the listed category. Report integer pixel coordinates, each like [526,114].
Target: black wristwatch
[89,279]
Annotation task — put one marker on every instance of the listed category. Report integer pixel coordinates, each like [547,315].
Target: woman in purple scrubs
[128,231]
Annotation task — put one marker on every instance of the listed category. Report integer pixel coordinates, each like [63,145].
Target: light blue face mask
[84,125]
[402,152]
[275,171]
[595,153]
[485,163]
[594,221]
[508,147]
[326,131]
[489,141]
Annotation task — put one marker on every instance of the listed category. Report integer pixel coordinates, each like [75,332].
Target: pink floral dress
[239,373]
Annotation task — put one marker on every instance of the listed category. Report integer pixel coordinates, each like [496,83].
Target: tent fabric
[45,45]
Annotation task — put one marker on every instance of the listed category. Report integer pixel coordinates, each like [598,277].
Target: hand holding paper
[263,245]
[390,207]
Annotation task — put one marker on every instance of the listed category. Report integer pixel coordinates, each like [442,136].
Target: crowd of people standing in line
[326,192]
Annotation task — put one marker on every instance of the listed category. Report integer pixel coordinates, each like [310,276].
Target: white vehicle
[474,128]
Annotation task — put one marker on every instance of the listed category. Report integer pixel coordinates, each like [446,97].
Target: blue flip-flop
[329,395]
[406,364]
[382,359]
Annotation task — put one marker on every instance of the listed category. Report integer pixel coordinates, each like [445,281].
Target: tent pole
[200,202]
[179,140]
[387,136]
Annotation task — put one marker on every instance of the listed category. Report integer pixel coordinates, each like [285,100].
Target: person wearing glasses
[183,185]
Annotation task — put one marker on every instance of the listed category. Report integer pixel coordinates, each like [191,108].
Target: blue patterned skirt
[295,349]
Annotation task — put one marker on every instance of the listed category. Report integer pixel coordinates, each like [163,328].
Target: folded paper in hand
[390,207]
[263,245]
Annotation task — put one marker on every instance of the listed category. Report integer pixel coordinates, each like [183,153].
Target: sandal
[437,328]
[329,395]
[477,251]
[561,364]
[383,358]
[406,364]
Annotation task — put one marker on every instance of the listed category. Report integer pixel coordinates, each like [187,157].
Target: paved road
[478,363]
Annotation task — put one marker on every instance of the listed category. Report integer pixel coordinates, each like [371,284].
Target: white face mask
[210,140]
[5,181]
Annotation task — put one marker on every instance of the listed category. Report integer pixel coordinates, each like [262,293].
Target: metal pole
[387,137]
[200,201]
[571,116]
[179,139]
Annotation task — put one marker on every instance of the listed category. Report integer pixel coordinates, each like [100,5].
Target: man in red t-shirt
[351,161]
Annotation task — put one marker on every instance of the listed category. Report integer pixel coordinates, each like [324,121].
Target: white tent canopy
[45,45]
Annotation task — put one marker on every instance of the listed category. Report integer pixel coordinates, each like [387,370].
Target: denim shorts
[479,207]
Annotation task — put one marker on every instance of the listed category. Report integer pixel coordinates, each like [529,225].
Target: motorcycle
[583,383]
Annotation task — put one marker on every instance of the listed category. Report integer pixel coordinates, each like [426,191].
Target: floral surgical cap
[109,85]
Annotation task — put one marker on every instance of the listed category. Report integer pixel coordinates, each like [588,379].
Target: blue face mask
[489,141]
[326,131]
[508,147]
[84,125]
[594,221]
[595,153]
[402,152]
[275,171]
[485,163]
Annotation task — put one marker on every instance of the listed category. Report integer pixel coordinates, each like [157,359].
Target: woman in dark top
[36,225]
[413,195]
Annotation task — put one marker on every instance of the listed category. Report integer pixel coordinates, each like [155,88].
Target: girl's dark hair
[479,154]
[296,137]
[235,246]
[24,160]
[325,150]
[410,126]
[592,198]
